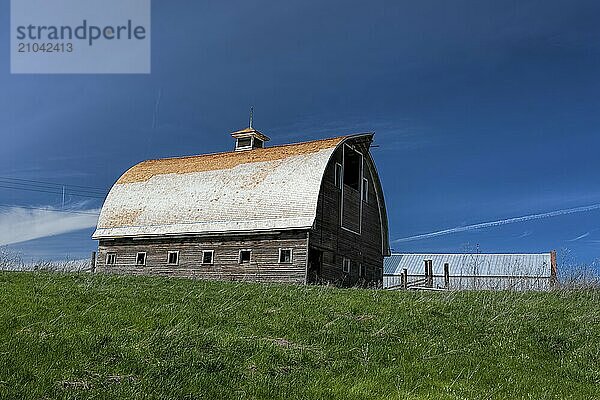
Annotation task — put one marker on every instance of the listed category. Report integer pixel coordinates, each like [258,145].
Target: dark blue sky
[483,110]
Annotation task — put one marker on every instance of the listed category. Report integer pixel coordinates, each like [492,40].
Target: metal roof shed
[475,271]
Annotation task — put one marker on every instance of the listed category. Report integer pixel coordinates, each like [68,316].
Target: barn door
[315,263]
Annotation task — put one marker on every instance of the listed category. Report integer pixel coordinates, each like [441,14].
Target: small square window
[111,259]
[365,190]
[173,258]
[244,143]
[346,267]
[245,256]
[285,256]
[208,257]
[140,259]
[338,175]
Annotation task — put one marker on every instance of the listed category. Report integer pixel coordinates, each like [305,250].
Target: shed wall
[519,283]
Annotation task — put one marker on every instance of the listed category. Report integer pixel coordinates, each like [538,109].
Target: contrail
[499,223]
[155,116]
[580,237]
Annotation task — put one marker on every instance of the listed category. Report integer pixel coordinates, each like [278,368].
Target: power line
[32,185]
[52,187]
[51,192]
[48,209]
[94,188]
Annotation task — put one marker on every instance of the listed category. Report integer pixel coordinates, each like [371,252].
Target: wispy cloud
[524,234]
[580,237]
[391,134]
[499,223]
[19,224]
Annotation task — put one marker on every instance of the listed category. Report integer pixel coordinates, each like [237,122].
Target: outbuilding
[472,271]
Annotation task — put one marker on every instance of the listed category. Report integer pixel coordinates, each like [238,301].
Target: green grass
[95,336]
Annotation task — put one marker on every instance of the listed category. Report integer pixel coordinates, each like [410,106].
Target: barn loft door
[352,190]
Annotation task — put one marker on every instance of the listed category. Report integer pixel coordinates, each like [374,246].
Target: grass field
[93,336]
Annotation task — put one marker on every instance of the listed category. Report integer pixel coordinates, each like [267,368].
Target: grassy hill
[92,336]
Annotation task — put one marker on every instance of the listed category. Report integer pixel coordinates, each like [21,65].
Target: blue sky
[483,111]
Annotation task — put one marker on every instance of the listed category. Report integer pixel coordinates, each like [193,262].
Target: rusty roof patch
[218,161]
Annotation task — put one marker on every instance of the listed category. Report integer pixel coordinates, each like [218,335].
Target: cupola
[249,138]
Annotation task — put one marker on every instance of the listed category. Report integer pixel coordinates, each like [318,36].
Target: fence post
[430,283]
[93,261]
[405,279]
[447,276]
[553,270]
[426,272]
[431,272]
[402,280]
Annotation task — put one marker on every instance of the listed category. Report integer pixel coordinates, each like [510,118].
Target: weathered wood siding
[351,209]
[337,243]
[264,265]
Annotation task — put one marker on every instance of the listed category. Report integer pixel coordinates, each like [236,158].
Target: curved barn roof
[274,188]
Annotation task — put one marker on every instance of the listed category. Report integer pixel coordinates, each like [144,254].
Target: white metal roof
[275,188]
[472,264]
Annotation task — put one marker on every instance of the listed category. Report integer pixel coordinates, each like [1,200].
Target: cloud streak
[524,234]
[501,222]
[580,237]
[19,224]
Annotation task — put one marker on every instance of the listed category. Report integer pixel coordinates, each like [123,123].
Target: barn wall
[336,242]
[264,265]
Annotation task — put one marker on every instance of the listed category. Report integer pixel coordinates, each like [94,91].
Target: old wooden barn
[303,213]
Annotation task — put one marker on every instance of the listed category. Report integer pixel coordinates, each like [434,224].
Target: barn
[471,271]
[310,212]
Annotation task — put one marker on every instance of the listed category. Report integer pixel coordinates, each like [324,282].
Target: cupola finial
[251,116]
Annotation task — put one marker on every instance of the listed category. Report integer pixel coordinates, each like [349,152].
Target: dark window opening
[245,256]
[244,142]
[361,270]
[208,256]
[258,144]
[285,256]
[352,168]
[140,259]
[111,259]
[173,258]
[346,266]
[338,175]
